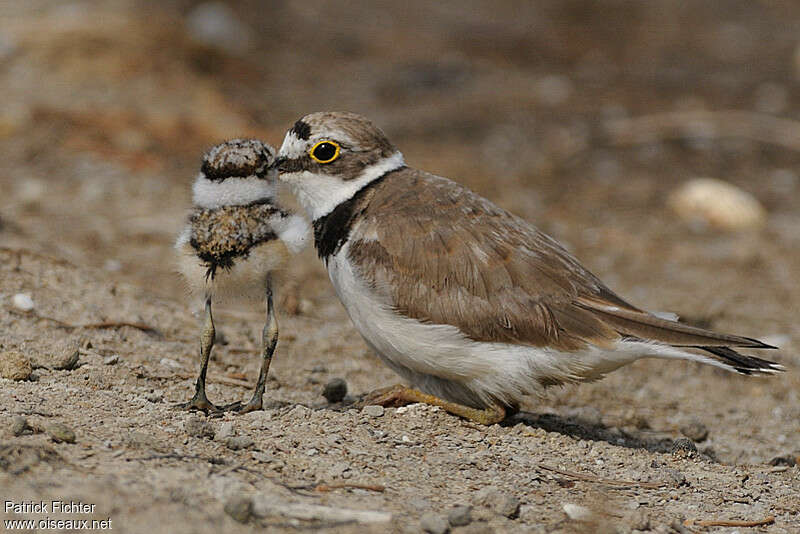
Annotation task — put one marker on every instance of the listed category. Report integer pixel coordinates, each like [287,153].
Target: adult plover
[472,305]
[236,237]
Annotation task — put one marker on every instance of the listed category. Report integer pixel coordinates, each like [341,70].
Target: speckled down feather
[221,235]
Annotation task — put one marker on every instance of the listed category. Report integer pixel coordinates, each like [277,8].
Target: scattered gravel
[15,365]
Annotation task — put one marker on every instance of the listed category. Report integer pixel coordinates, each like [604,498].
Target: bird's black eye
[324,151]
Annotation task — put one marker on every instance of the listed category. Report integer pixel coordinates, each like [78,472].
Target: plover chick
[472,305]
[236,237]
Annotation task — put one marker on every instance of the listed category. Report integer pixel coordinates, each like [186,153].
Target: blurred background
[587,118]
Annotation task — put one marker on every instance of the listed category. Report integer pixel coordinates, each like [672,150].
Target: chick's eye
[324,151]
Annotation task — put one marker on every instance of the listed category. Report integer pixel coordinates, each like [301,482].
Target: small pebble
[638,520]
[433,523]
[19,425]
[695,431]
[240,508]
[677,477]
[64,355]
[14,365]
[498,501]
[683,447]
[22,302]
[577,512]
[708,202]
[199,427]
[60,432]
[460,516]
[788,460]
[335,390]
[154,396]
[374,410]
[237,443]
[225,431]
[111,360]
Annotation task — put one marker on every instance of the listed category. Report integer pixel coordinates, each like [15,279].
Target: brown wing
[448,256]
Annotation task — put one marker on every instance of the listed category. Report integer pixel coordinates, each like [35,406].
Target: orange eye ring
[325,151]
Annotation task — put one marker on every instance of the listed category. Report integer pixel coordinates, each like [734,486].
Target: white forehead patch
[235,191]
[292,147]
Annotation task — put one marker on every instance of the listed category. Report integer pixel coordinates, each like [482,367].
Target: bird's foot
[200,403]
[399,395]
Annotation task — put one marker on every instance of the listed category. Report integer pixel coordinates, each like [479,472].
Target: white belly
[439,359]
[246,279]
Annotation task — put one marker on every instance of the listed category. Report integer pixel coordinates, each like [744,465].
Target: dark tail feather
[746,365]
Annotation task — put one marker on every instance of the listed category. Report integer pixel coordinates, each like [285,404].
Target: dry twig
[728,523]
[349,485]
[606,481]
[101,325]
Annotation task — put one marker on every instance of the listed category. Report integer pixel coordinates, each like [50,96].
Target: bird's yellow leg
[400,395]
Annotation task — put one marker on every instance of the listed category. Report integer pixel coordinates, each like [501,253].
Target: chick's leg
[269,339]
[200,401]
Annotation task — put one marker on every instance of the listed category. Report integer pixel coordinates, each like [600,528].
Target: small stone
[788,460]
[237,443]
[374,410]
[335,390]
[683,447]
[225,431]
[60,432]
[576,512]
[708,202]
[240,508]
[64,355]
[111,360]
[14,365]
[695,431]
[22,302]
[498,501]
[677,477]
[433,523]
[460,516]
[19,425]
[199,427]
[638,520]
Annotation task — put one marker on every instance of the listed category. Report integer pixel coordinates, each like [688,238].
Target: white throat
[319,194]
[233,191]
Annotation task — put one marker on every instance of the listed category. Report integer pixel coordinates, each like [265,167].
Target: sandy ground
[107,108]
